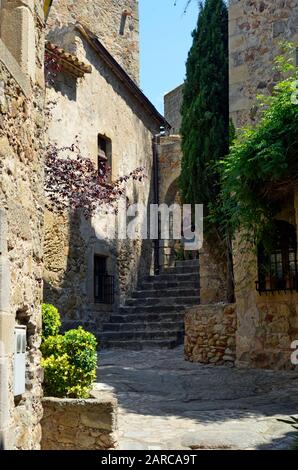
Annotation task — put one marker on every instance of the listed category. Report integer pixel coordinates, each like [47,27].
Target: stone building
[21,220]
[267,319]
[212,279]
[260,331]
[114,22]
[88,272]
[172,107]
[256,29]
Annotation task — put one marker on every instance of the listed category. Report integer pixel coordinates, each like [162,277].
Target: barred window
[277,269]
[103,283]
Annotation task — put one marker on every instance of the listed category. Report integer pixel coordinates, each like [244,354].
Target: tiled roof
[70,62]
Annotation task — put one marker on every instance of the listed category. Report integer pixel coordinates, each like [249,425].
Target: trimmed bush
[50,321]
[69,363]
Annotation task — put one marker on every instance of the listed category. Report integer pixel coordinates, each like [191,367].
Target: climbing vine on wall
[262,166]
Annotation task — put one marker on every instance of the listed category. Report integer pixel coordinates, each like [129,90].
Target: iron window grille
[104,284]
[277,270]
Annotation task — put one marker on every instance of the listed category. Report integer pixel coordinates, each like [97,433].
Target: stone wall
[256,27]
[71,424]
[210,334]
[213,276]
[267,323]
[21,217]
[169,165]
[104,18]
[169,168]
[172,103]
[97,104]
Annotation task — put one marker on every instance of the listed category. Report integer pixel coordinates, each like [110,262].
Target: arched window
[277,270]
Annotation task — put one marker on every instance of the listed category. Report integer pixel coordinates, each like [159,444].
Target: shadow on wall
[71,244]
[66,84]
[69,270]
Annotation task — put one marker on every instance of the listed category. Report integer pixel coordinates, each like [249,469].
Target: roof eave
[109,60]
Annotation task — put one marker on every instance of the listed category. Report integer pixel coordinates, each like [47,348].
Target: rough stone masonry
[21,203]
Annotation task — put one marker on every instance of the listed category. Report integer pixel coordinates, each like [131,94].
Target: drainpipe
[6,330]
[155,143]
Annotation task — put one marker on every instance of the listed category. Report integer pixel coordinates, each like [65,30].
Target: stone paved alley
[168,403]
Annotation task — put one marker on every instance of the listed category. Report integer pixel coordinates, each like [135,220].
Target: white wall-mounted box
[20,360]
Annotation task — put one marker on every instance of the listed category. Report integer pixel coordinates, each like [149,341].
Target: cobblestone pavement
[168,403]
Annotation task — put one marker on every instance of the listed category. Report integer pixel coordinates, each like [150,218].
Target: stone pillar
[18,32]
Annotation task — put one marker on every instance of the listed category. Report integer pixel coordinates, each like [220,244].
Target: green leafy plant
[52,346]
[262,165]
[69,362]
[51,322]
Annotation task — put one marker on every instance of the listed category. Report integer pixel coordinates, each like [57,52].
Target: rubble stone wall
[105,18]
[256,29]
[210,334]
[21,217]
[73,424]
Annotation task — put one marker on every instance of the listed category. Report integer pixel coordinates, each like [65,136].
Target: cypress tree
[205,108]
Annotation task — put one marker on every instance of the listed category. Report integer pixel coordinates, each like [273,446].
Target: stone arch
[172,193]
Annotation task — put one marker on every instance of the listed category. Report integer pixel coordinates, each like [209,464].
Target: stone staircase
[154,316]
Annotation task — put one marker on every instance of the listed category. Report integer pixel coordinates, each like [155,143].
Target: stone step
[159,293]
[169,343]
[138,335]
[181,270]
[188,262]
[176,326]
[154,315]
[149,317]
[162,301]
[151,309]
[172,277]
[166,285]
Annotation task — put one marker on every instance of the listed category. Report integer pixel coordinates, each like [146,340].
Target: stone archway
[172,196]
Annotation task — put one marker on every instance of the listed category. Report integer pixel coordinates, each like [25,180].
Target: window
[104,156]
[278,268]
[103,283]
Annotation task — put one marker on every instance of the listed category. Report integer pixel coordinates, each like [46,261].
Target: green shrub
[52,346]
[56,375]
[81,348]
[50,321]
[69,360]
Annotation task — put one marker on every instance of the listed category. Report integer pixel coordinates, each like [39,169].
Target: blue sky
[165,41]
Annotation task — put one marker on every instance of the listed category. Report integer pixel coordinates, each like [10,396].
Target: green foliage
[69,363]
[81,348]
[50,320]
[205,109]
[52,346]
[262,160]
